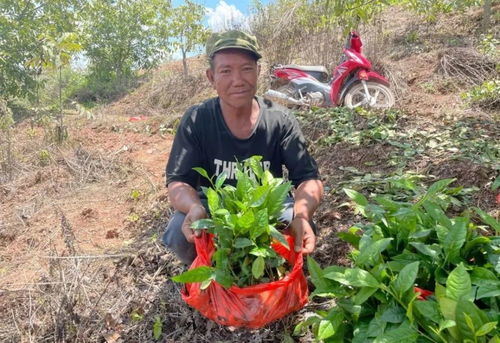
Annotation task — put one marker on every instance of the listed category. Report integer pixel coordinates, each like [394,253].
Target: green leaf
[276,198]
[357,197]
[220,179]
[254,163]
[316,273]
[469,318]
[259,196]
[455,239]
[223,278]
[488,289]
[213,200]
[363,295]
[486,328]
[261,224]
[278,236]
[437,214]
[393,314]
[429,309]
[487,219]
[157,327]
[325,329]
[458,283]
[203,224]
[203,173]
[496,184]
[242,242]
[258,267]
[355,277]
[406,278]
[247,219]
[445,324]
[448,309]
[429,250]
[435,188]
[371,254]
[404,333]
[261,251]
[198,274]
[351,238]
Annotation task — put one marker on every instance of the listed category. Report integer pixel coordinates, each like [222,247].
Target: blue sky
[220,11]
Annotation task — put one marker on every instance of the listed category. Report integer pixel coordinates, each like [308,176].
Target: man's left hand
[305,239]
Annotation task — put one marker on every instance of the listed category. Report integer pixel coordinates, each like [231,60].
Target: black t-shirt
[204,140]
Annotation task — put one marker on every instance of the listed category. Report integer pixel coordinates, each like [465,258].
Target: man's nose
[237,78]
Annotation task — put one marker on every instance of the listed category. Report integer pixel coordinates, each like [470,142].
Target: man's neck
[241,121]
[239,113]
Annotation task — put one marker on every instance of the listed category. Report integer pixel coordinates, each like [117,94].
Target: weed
[43,157]
[486,95]
[135,194]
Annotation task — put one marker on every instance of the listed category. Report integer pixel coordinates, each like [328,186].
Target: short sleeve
[186,151]
[296,158]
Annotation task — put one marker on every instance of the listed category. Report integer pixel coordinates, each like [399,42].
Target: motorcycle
[353,83]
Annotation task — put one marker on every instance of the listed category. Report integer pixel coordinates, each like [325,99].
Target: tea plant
[417,276]
[243,222]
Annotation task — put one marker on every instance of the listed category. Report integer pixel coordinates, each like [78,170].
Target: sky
[220,12]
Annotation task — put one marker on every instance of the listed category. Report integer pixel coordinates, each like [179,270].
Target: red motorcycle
[353,84]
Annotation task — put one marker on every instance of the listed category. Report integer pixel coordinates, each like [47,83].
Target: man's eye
[225,71]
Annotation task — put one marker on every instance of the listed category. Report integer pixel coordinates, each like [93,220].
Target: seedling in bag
[244,221]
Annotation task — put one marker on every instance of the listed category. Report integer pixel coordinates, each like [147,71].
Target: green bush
[486,95]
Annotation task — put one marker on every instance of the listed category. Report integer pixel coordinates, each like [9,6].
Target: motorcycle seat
[319,69]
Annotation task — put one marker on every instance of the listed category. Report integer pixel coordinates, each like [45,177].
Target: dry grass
[466,65]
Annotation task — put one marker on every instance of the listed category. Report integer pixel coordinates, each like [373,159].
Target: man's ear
[210,76]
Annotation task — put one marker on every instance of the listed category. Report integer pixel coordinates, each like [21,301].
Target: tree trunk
[486,15]
[184,63]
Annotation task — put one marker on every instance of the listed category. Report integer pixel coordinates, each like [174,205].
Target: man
[232,127]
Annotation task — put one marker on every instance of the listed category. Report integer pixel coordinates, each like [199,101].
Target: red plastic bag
[252,306]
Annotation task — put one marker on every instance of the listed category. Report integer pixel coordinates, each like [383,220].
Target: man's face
[234,77]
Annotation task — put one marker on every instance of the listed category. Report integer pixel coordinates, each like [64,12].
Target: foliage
[488,45]
[403,245]
[23,26]
[6,120]
[431,8]
[187,28]
[157,328]
[484,95]
[244,220]
[121,37]
[460,139]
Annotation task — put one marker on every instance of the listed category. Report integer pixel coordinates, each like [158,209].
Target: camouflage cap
[232,39]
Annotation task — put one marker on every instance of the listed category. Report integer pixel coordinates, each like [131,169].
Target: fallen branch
[81,257]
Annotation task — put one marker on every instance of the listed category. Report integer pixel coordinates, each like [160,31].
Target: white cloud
[226,17]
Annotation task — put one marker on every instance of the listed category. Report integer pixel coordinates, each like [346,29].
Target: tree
[22,22]
[57,53]
[187,29]
[122,36]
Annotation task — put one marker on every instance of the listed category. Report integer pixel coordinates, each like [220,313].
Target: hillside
[80,223]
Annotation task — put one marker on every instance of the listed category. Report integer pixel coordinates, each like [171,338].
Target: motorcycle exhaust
[279,97]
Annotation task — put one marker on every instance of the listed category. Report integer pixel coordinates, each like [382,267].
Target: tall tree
[122,36]
[23,26]
[187,29]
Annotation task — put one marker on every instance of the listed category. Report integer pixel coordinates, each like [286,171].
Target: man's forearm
[182,196]
[308,196]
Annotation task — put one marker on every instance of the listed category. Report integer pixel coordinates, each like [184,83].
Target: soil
[89,185]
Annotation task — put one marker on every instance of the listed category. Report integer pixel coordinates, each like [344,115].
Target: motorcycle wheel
[382,96]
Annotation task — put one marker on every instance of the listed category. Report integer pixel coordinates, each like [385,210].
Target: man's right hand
[196,212]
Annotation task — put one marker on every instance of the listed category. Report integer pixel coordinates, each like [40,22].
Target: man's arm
[185,199]
[308,196]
